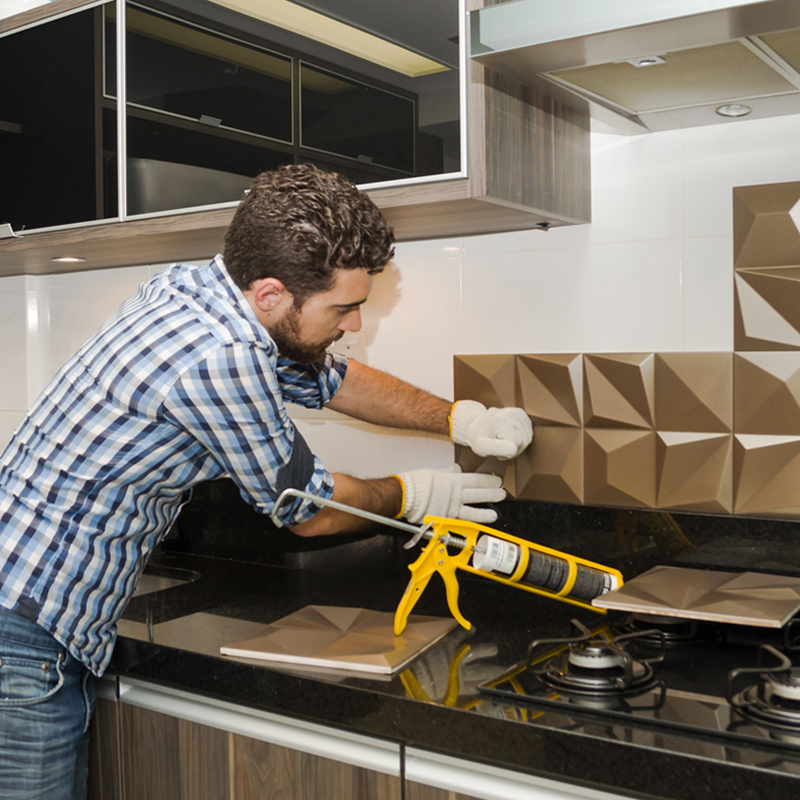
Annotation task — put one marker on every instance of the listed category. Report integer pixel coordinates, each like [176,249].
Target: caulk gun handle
[434,558]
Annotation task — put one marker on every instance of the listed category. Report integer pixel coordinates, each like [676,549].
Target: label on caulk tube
[495,555]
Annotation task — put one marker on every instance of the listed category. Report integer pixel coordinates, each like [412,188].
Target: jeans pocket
[26,681]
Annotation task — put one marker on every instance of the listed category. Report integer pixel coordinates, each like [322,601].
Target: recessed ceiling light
[646,61]
[734,110]
[68,259]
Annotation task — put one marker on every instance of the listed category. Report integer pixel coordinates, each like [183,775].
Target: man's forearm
[382,496]
[374,396]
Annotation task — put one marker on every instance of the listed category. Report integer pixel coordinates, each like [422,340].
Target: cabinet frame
[527,167]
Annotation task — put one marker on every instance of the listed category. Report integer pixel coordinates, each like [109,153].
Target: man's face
[304,335]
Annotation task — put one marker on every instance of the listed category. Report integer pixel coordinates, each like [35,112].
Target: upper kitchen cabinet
[134,143]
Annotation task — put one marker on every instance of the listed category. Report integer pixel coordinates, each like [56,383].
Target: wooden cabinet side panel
[104,766]
[418,791]
[204,767]
[150,754]
[263,771]
[536,149]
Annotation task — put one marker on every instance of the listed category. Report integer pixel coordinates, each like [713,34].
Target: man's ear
[268,293]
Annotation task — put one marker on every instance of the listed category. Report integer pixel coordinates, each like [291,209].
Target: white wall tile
[74,305]
[8,421]
[412,321]
[369,451]
[744,153]
[636,196]
[13,345]
[603,298]
[708,293]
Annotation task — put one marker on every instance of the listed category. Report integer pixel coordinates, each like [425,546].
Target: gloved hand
[448,493]
[494,432]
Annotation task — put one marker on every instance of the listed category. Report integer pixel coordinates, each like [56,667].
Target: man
[187,382]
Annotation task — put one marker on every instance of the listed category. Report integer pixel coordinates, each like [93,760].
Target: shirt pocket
[29,680]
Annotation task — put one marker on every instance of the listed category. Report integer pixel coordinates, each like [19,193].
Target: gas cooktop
[641,677]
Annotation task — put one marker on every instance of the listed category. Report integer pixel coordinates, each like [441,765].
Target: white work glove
[448,493]
[494,432]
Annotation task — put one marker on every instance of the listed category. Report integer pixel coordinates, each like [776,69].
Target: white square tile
[708,293]
[369,451]
[636,195]
[8,422]
[428,249]
[604,298]
[743,153]
[73,306]
[412,322]
[13,349]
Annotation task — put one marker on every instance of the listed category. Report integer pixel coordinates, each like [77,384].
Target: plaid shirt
[181,385]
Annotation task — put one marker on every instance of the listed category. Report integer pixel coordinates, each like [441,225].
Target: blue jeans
[46,702]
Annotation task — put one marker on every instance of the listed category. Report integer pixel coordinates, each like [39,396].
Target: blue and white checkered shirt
[181,385]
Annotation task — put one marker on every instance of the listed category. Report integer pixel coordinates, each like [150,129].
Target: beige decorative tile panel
[618,390]
[693,392]
[767,393]
[708,432]
[766,475]
[620,467]
[550,388]
[694,471]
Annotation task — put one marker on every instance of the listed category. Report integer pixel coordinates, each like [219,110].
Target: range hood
[650,65]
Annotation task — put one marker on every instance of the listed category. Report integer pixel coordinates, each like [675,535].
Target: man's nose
[352,321]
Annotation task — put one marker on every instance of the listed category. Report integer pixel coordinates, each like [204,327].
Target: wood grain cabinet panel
[166,757]
[417,791]
[104,765]
[263,771]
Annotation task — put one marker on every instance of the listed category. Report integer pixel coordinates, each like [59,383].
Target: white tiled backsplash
[653,272]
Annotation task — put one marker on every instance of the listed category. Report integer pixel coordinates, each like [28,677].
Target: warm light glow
[68,259]
[329,31]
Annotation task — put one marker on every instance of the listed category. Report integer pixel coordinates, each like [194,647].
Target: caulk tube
[544,571]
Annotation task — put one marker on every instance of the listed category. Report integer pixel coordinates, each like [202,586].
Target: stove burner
[774,699]
[593,666]
[653,629]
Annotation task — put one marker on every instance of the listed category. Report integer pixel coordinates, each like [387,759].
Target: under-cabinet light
[326,30]
[68,259]
[734,110]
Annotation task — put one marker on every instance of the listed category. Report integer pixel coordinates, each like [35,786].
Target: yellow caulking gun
[486,552]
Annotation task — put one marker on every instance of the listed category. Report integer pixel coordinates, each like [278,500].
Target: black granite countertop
[422,706]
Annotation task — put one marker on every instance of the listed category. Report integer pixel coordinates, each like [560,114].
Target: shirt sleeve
[231,404]
[311,386]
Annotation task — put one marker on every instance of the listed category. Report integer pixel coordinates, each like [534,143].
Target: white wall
[654,271]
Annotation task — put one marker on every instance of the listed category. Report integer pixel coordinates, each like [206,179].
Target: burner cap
[786,684]
[594,655]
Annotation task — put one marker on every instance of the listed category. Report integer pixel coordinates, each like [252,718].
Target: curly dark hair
[300,224]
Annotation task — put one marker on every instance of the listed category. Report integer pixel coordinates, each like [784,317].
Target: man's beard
[286,335]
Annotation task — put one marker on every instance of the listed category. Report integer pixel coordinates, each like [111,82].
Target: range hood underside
[748,54]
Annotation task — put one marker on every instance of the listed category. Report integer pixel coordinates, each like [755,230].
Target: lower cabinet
[175,746]
[153,743]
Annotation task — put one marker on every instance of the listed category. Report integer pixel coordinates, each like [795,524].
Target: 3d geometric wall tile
[766,473]
[618,390]
[551,468]
[694,392]
[550,388]
[694,471]
[765,228]
[766,393]
[489,379]
[619,467]
[767,309]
